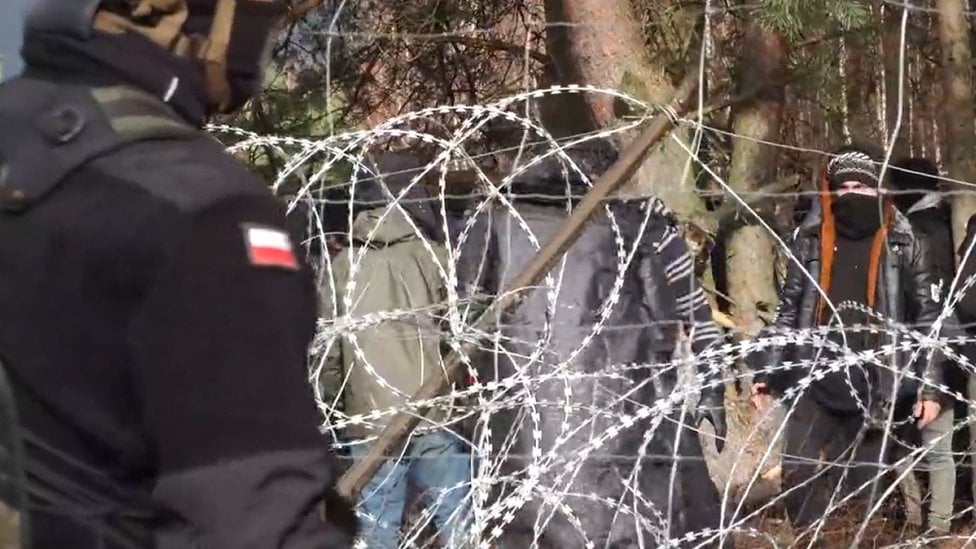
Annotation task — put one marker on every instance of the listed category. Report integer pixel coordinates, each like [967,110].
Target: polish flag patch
[269,247]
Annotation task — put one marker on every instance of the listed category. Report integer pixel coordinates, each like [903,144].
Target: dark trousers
[820,445]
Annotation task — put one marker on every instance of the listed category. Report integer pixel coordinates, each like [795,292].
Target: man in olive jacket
[387,287]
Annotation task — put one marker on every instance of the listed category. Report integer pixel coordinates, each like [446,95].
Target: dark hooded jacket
[604,370]
[966,305]
[386,269]
[931,219]
[918,197]
[392,265]
[901,276]
[154,317]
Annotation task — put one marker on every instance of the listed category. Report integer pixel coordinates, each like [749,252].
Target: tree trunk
[564,114]
[959,126]
[845,101]
[860,80]
[896,81]
[750,250]
[585,50]
[959,110]
[922,139]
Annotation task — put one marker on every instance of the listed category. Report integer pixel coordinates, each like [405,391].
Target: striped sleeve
[679,268]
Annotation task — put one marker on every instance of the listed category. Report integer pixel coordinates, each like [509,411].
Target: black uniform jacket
[154,318]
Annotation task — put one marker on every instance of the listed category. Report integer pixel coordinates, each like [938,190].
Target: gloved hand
[711,408]
[340,513]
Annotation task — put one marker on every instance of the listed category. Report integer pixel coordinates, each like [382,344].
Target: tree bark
[750,250]
[896,79]
[598,42]
[864,90]
[599,56]
[959,112]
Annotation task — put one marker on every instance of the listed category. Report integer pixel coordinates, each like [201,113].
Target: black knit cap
[552,177]
[854,162]
[916,174]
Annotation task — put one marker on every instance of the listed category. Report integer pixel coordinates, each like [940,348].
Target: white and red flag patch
[269,247]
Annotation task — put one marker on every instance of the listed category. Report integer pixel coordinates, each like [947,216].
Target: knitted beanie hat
[854,163]
[916,174]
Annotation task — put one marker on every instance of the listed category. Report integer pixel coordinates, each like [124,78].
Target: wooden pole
[403,423]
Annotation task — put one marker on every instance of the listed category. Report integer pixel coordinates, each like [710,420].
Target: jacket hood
[929,201]
[395,171]
[381,226]
[553,180]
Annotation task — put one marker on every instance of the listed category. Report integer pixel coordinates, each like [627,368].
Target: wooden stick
[403,423]
[301,8]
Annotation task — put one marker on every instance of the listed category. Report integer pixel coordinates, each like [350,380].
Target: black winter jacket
[154,323]
[966,306]
[603,376]
[906,279]
[931,219]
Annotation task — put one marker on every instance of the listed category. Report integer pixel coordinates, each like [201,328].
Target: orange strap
[828,235]
[875,259]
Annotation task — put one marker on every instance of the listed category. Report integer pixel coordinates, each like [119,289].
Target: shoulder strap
[49,130]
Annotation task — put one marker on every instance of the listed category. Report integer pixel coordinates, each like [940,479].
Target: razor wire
[504,483]
[543,478]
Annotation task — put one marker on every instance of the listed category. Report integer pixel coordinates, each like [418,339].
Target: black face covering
[250,44]
[856,216]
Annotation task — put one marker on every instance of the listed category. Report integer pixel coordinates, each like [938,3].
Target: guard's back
[50,228]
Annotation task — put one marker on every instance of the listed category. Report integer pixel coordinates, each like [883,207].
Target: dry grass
[839,530]
[749,438]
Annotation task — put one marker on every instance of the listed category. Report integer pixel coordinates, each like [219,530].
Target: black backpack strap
[49,130]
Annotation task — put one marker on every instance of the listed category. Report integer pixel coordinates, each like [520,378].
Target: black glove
[340,514]
[711,408]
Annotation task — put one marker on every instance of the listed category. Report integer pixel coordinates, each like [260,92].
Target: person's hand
[926,411]
[761,398]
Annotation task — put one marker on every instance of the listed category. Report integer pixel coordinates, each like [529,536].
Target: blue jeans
[439,466]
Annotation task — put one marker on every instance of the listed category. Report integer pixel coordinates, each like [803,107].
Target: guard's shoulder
[49,131]
[191,175]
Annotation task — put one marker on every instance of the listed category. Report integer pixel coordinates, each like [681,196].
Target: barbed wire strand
[546,478]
